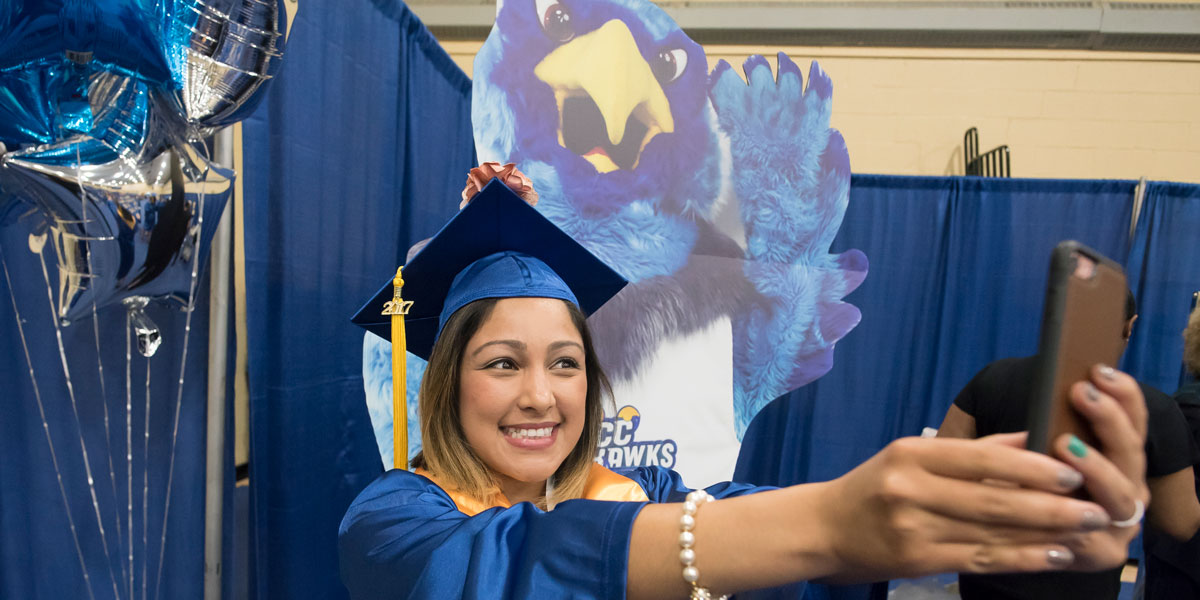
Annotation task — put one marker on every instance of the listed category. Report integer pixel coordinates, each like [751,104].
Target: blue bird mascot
[716,197]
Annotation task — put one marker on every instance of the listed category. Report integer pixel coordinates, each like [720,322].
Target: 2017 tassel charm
[397,308]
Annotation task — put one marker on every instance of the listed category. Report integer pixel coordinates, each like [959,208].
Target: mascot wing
[791,178]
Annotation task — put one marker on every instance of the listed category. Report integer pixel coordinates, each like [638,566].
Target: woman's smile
[531,437]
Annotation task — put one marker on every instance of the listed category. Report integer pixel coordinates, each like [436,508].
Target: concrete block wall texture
[1063,113]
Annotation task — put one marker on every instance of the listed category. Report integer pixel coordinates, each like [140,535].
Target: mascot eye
[556,20]
[669,64]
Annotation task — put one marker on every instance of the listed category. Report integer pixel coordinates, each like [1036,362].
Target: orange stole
[602,484]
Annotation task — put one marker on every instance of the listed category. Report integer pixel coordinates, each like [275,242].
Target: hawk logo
[619,450]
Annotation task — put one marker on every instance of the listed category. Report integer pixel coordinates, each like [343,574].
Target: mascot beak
[610,105]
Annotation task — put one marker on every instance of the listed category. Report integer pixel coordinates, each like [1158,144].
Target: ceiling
[1127,26]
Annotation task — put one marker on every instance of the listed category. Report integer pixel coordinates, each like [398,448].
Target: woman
[1172,566]
[506,502]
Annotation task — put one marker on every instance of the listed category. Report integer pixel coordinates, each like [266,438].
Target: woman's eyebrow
[515,344]
[565,343]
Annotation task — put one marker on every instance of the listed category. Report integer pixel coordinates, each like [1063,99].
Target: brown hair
[1191,342]
[445,451]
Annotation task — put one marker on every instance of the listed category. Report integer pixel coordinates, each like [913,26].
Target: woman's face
[523,389]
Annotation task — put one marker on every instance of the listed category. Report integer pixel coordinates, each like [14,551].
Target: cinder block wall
[1072,114]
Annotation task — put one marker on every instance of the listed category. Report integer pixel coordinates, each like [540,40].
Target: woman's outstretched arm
[921,506]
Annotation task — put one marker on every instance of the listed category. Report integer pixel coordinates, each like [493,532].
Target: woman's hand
[1115,476]
[930,505]
[925,506]
[507,174]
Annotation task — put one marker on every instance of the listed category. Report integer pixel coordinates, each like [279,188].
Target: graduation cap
[497,247]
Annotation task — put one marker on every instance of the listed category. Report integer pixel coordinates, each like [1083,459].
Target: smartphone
[1083,323]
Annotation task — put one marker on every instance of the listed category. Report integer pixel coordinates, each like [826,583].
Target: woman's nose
[537,394]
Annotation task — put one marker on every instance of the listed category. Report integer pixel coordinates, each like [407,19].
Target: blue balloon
[112,123]
[124,36]
[27,111]
[52,51]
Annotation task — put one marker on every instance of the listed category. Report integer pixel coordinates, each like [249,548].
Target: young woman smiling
[527,402]
[505,500]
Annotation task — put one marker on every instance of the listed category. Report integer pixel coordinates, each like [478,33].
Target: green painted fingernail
[1076,446]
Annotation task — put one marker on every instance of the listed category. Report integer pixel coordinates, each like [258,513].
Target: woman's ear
[1128,331]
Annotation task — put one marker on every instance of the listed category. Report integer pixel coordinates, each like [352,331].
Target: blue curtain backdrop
[38,556]
[359,150]
[1164,272]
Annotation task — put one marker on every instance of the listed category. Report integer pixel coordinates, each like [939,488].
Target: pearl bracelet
[687,542]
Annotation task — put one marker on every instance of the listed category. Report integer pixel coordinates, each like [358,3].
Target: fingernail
[1060,558]
[1070,479]
[1076,446]
[1108,372]
[1093,520]
[1091,394]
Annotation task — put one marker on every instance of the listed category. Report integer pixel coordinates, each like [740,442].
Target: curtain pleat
[360,149]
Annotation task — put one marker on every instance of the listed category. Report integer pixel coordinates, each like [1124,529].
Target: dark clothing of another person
[998,398]
[1172,567]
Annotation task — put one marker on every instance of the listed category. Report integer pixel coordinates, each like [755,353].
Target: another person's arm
[957,424]
[959,421]
[1174,509]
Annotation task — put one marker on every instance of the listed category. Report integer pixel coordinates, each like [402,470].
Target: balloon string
[187,329]
[62,490]
[87,463]
[129,442]
[112,474]
[145,475]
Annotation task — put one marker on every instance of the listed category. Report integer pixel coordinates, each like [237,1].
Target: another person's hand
[930,505]
[507,174]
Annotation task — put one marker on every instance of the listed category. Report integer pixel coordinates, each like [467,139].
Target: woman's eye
[555,20]
[503,363]
[566,363]
[669,65]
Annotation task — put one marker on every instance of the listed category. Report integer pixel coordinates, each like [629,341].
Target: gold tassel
[397,308]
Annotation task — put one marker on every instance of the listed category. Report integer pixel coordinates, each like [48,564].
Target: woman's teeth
[526,433]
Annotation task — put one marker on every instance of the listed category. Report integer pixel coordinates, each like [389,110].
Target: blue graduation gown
[404,537]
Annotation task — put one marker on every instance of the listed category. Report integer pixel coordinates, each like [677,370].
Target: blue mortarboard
[496,247]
